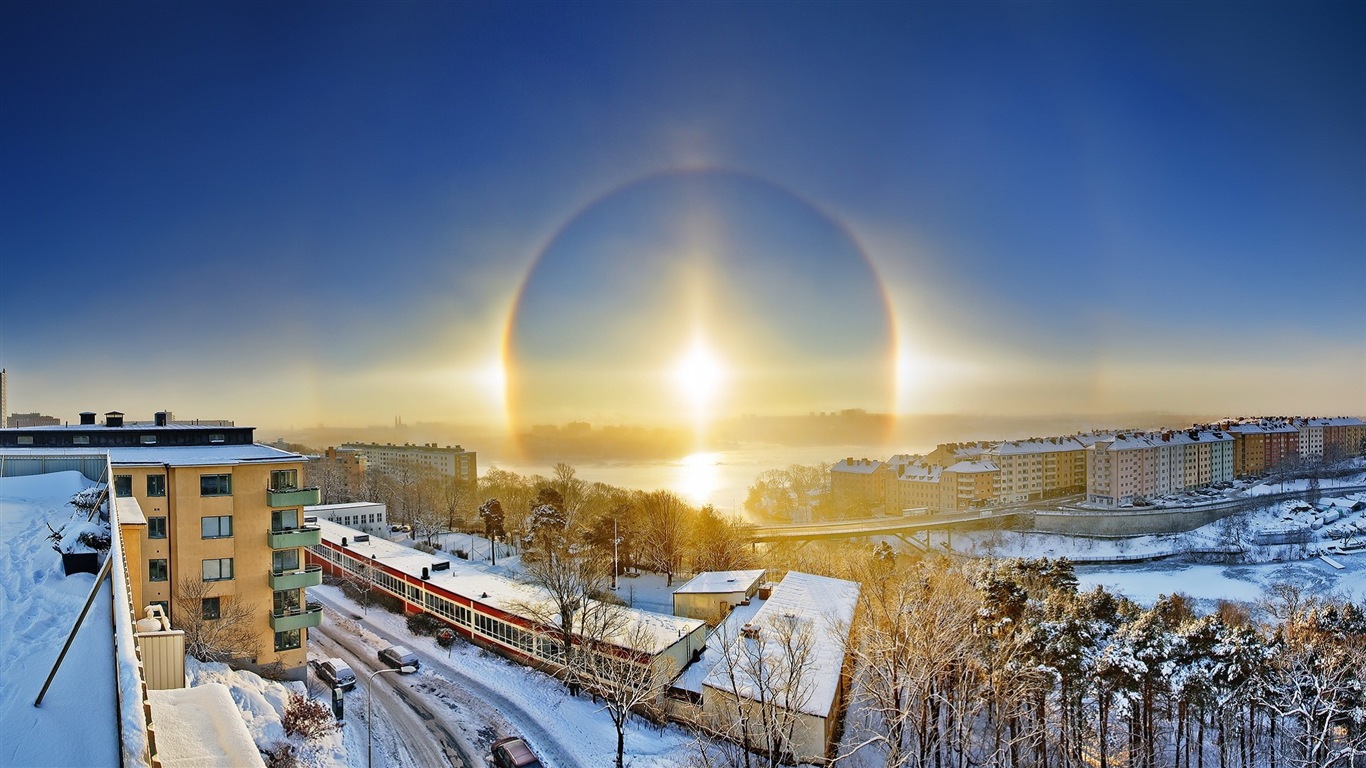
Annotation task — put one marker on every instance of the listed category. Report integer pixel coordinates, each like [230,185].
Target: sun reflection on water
[697,477]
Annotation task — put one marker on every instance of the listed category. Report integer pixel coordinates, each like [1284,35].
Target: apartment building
[1039,468]
[222,513]
[1140,465]
[1262,445]
[858,482]
[1331,438]
[394,460]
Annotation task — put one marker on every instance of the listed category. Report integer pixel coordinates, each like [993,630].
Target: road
[465,711]
[414,735]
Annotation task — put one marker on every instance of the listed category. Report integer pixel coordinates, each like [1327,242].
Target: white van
[337,673]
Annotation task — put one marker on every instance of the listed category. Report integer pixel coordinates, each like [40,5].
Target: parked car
[337,673]
[512,752]
[397,656]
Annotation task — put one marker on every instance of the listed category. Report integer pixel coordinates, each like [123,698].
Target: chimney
[113,419]
[160,418]
[88,418]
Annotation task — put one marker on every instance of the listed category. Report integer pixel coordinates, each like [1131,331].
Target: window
[80,440]
[284,519]
[156,527]
[215,485]
[26,439]
[156,570]
[285,560]
[156,485]
[282,479]
[209,608]
[287,601]
[165,608]
[218,569]
[216,437]
[147,439]
[123,485]
[219,527]
[288,641]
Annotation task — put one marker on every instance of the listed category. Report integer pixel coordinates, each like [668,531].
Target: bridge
[900,527]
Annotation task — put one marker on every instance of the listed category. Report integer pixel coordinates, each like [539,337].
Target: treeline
[1007,663]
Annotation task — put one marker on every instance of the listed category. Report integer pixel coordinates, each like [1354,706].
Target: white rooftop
[202,727]
[709,582]
[495,590]
[174,455]
[821,610]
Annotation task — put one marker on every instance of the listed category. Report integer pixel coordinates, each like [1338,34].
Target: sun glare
[698,376]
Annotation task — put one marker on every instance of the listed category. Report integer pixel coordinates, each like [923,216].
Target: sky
[669,213]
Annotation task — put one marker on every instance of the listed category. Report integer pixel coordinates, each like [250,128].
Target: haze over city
[673,215]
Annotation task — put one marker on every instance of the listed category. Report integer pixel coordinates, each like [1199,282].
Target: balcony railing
[310,576]
[293,497]
[288,538]
[307,617]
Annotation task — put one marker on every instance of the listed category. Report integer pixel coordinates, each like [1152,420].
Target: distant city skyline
[675,214]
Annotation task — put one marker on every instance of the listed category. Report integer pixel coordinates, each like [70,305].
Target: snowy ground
[38,606]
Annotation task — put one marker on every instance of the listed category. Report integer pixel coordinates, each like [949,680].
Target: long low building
[508,616]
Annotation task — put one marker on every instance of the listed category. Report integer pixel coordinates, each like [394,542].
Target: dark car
[512,752]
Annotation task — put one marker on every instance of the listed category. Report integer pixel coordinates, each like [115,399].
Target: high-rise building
[217,516]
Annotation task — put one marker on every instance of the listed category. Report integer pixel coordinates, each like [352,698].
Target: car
[512,752]
[337,674]
[398,657]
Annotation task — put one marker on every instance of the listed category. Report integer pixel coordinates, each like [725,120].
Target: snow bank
[200,726]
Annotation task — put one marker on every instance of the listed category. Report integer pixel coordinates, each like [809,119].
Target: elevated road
[876,526]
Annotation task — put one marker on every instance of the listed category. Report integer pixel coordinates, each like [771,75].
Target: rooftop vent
[113,419]
[362,537]
[88,418]
[159,418]
[444,565]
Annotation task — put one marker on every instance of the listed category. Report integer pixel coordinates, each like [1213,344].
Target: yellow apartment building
[223,514]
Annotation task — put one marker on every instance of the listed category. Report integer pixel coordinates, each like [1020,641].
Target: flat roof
[202,726]
[715,582]
[174,455]
[479,585]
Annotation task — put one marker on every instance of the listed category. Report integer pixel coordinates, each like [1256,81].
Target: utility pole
[616,566]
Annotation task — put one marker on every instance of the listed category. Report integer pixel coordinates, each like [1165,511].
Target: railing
[311,615]
[288,538]
[293,497]
[309,576]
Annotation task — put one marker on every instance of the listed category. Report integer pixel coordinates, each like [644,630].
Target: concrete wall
[1127,523]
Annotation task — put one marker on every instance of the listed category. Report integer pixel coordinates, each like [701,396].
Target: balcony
[293,497]
[297,618]
[311,576]
[307,536]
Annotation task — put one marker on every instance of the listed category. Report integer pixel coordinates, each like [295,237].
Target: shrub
[307,717]
[445,637]
[424,624]
[282,755]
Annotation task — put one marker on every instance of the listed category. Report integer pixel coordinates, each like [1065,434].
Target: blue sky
[322,212]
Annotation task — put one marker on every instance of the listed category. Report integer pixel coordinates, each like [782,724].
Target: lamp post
[369,697]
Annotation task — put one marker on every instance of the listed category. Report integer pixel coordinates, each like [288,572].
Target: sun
[698,376]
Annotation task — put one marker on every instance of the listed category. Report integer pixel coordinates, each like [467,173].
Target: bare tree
[491,512]
[217,627]
[720,543]
[608,661]
[665,526]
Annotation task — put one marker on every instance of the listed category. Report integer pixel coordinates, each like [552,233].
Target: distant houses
[1111,468]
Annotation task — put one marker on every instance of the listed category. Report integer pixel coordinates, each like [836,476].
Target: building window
[156,570]
[218,569]
[156,527]
[284,479]
[216,437]
[288,641]
[123,485]
[209,609]
[285,560]
[215,485]
[219,527]
[165,608]
[148,439]
[26,440]
[284,519]
[80,440]
[156,485]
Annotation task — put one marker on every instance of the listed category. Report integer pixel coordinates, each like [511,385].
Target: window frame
[156,489]
[298,640]
[156,527]
[218,561]
[123,486]
[223,481]
[218,522]
[204,609]
[152,568]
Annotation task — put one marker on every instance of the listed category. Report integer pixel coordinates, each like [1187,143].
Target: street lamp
[369,697]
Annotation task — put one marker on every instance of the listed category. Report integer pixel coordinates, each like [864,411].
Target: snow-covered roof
[349,505]
[857,466]
[919,473]
[174,455]
[715,582]
[77,723]
[1044,445]
[820,610]
[482,586]
[967,467]
[201,726]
